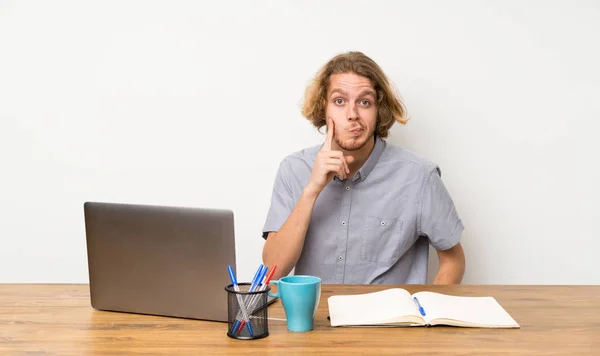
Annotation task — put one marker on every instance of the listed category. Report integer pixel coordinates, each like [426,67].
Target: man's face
[352,105]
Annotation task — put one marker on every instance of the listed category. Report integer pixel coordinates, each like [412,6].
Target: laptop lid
[159,260]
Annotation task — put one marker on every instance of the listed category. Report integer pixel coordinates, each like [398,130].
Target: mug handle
[275,282]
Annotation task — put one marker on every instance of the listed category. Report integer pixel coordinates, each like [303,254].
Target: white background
[194,103]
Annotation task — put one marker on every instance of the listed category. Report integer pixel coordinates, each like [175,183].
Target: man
[357,210]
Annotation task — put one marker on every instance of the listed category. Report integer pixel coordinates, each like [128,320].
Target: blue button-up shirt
[375,227]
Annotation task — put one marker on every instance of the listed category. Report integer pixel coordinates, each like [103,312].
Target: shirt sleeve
[438,218]
[282,200]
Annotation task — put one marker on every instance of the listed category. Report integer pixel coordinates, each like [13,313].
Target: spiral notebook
[397,307]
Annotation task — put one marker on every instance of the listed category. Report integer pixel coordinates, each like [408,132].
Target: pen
[240,302]
[268,278]
[421,310]
[259,277]
[238,325]
[262,269]
[256,298]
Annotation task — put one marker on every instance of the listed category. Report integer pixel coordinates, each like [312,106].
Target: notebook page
[371,308]
[479,311]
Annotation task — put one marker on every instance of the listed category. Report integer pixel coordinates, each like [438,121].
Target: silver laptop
[169,261]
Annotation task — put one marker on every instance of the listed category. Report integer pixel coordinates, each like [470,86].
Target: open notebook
[397,307]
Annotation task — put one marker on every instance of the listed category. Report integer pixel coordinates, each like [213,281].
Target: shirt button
[347,188]
[343,223]
[340,258]
[383,223]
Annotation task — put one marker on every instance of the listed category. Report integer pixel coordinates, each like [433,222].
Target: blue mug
[300,296]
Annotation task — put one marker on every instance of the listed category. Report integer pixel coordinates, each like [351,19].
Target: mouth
[356,131]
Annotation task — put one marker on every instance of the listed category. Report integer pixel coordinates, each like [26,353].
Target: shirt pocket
[381,239]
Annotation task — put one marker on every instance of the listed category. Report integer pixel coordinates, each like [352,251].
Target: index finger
[329,138]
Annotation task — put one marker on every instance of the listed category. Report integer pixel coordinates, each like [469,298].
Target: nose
[352,112]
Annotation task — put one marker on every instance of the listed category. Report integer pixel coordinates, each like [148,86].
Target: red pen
[268,278]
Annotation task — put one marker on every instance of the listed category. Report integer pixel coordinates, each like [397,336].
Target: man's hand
[328,163]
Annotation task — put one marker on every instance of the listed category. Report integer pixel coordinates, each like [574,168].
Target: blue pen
[259,279]
[237,289]
[240,302]
[265,278]
[257,284]
[236,324]
[232,277]
[421,310]
[257,274]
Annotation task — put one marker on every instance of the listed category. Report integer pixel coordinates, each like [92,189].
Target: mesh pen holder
[247,312]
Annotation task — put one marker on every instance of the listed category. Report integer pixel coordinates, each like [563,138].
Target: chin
[355,143]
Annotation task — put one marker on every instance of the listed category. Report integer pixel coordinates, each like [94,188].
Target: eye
[365,103]
[339,101]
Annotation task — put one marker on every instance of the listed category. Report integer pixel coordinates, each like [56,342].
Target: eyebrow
[367,92]
[343,92]
[363,93]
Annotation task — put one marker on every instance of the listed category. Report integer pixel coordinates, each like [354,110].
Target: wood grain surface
[57,319]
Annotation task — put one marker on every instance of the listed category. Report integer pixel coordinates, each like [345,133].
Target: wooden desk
[58,319]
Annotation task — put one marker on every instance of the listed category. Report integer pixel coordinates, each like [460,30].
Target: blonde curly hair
[389,103]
